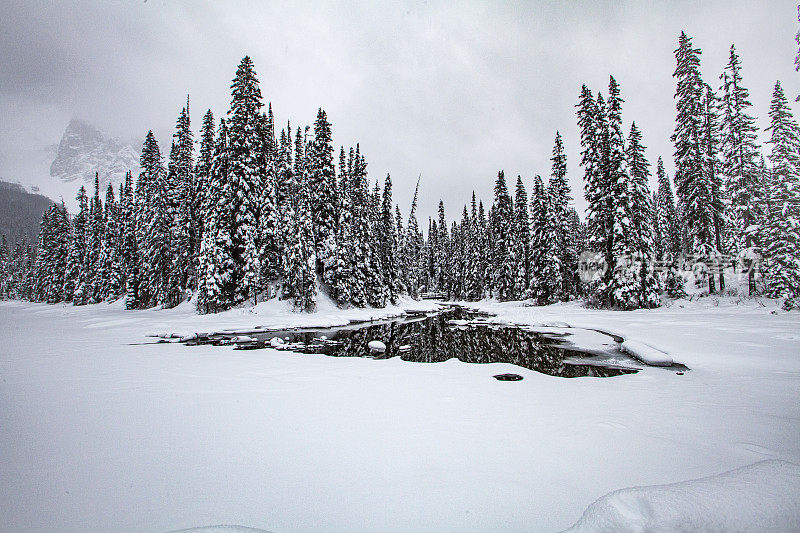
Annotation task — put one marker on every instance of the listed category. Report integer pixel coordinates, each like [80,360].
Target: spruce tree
[545,284]
[247,176]
[560,196]
[522,241]
[693,187]
[740,158]
[75,277]
[502,240]
[642,222]
[216,261]
[783,221]
[110,261]
[154,227]
[322,187]
[181,204]
[202,177]
[710,146]
[388,245]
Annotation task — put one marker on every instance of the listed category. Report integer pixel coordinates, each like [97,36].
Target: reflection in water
[435,338]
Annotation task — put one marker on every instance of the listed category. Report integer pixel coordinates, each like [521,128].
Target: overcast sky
[453,93]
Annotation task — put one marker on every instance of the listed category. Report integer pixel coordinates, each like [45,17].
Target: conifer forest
[255,213]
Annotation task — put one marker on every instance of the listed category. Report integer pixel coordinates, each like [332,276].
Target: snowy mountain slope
[84,150]
[20,212]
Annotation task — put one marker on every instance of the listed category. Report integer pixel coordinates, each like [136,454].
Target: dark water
[435,338]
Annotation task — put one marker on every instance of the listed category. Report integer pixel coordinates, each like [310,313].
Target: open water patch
[453,333]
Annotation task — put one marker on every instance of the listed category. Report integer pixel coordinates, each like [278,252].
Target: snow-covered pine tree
[268,237]
[337,283]
[413,246]
[131,270]
[545,283]
[522,241]
[181,202]
[597,189]
[502,244]
[110,262]
[625,286]
[710,145]
[360,261]
[473,286]
[782,230]
[376,290]
[300,262]
[154,225]
[440,254]
[202,177]
[74,278]
[322,188]
[561,197]
[246,176]
[642,221]
[578,242]
[388,245]
[485,240]
[44,266]
[668,238]
[692,184]
[57,251]
[739,161]
[284,202]
[216,264]
[667,216]
[94,239]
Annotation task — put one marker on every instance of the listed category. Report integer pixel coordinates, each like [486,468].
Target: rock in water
[508,377]
[377,346]
[275,341]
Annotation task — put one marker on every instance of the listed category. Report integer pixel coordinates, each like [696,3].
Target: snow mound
[763,496]
[646,353]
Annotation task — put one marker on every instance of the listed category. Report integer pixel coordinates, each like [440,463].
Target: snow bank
[646,353]
[764,496]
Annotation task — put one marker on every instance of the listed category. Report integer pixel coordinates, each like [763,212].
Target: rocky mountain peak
[84,150]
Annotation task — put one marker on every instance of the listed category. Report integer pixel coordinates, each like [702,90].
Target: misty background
[454,93]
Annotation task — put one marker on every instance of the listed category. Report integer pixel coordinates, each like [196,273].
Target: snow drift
[764,496]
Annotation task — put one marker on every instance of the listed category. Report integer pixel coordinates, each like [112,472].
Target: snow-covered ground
[97,434]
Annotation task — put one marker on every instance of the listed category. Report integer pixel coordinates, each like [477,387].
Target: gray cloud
[454,93]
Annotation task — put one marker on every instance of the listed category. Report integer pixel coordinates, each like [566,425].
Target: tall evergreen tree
[247,178]
[502,240]
[693,187]
[388,244]
[783,221]
[181,201]
[740,158]
[546,282]
[75,277]
[202,177]
[641,221]
[322,187]
[216,260]
[154,227]
[522,241]
[560,196]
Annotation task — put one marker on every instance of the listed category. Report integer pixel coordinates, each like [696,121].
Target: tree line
[257,214]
